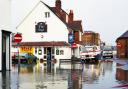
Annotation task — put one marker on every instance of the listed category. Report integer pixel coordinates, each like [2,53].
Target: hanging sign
[70,38]
[41,27]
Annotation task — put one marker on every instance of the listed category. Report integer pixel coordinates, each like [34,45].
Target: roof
[123,36]
[76,25]
[51,43]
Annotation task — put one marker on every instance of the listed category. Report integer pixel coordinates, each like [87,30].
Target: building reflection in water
[41,77]
[121,75]
[5,80]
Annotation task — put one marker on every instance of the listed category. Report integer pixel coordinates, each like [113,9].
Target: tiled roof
[124,35]
[75,25]
[51,43]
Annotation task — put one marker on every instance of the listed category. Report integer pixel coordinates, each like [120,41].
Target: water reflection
[121,75]
[5,81]
[78,76]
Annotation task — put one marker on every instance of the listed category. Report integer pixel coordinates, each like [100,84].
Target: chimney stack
[70,16]
[58,5]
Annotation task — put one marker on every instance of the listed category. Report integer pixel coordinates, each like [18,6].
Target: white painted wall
[67,54]
[56,29]
[5,24]
[80,35]
[5,15]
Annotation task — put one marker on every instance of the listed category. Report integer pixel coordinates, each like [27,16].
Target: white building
[5,31]
[46,29]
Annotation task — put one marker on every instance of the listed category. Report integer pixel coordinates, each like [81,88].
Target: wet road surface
[101,75]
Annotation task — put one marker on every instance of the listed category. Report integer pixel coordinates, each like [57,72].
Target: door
[49,59]
[3,52]
[6,63]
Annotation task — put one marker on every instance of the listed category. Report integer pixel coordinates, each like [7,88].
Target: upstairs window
[47,14]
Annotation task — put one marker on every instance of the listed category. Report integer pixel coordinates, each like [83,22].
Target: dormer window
[47,14]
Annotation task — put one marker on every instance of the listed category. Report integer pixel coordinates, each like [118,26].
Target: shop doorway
[49,59]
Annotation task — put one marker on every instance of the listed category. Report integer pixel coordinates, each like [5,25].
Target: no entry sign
[17,37]
[74,45]
[119,45]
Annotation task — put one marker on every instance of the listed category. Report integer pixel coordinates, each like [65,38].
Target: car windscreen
[87,49]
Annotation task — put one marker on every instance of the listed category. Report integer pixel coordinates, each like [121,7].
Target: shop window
[79,48]
[53,57]
[40,51]
[57,51]
[52,50]
[45,56]
[35,50]
[44,50]
[61,52]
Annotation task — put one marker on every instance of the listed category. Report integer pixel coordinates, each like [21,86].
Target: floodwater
[101,75]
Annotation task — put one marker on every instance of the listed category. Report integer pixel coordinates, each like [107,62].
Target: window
[57,51]
[61,52]
[47,14]
[35,50]
[40,51]
[52,50]
[45,57]
[44,50]
[53,56]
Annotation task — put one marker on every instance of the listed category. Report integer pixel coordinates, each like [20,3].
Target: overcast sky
[109,18]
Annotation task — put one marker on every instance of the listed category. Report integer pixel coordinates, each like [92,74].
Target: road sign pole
[18,59]
[18,39]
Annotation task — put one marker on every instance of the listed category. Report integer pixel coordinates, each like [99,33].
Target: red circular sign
[17,37]
[74,45]
[119,45]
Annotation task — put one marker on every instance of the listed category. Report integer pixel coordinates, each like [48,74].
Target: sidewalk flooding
[123,62]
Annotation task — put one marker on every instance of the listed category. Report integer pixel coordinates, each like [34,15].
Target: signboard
[41,27]
[70,38]
[119,45]
[74,45]
[26,49]
[17,37]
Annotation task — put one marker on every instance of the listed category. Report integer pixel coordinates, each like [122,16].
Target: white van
[90,52]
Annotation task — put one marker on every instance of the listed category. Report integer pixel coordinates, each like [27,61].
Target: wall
[5,24]
[56,29]
[5,15]
[121,50]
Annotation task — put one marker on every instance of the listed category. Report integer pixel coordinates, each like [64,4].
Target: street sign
[119,45]
[17,37]
[74,45]
[70,38]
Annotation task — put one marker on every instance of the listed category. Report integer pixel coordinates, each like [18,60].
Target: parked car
[24,58]
[90,53]
[107,52]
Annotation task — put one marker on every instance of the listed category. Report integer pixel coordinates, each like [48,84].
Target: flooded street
[101,75]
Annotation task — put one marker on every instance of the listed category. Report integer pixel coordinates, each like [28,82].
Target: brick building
[91,38]
[122,45]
